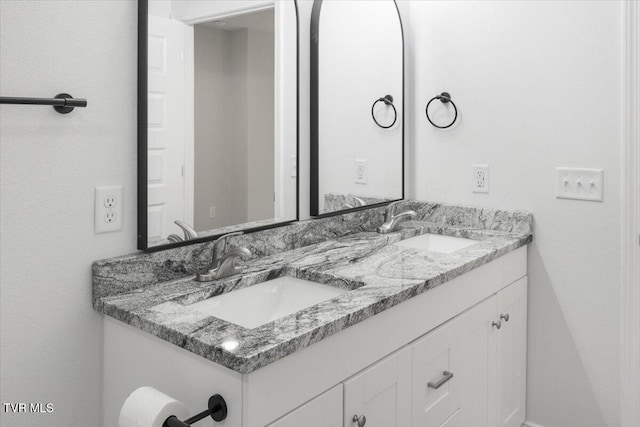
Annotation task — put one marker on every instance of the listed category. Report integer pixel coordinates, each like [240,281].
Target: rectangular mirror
[217,118]
[357,105]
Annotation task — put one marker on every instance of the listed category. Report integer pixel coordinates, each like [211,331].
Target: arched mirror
[357,105]
[217,119]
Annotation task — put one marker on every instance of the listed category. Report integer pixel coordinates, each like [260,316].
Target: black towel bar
[63,103]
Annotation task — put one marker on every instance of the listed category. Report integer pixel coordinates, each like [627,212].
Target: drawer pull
[447,376]
[505,317]
[361,420]
[497,324]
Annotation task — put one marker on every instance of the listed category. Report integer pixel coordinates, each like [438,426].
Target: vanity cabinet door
[323,411]
[435,389]
[381,394]
[512,354]
[475,364]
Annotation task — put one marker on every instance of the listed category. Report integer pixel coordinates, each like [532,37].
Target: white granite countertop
[377,273]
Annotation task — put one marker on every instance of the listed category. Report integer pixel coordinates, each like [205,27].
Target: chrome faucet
[224,261]
[391,221]
[357,202]
[189,233]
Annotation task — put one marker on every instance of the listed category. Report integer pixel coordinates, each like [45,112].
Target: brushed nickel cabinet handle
[497,324]
[445,379]
[505,317]
[361,420]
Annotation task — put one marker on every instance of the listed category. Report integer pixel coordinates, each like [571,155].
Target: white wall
[50,163]
[525,52]
[538,85]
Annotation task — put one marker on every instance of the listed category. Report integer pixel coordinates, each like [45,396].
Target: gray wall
[260,106]
[220,99]
[234,126]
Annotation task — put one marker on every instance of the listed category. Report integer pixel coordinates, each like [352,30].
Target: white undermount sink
[265,302]
[437,243]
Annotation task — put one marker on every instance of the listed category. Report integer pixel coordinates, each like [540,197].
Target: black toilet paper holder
[217,410]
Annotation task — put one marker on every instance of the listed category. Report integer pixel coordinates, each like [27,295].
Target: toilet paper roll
[148,407]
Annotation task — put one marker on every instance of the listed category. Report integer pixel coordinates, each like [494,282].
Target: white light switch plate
[108,209]
[580,184]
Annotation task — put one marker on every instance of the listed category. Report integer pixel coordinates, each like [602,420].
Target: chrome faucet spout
[390,209]
[224,260]
[229,261]
[220,247]
[391,221]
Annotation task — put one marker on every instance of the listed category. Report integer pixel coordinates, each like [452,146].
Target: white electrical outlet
[480,178]
[361,171]
[212,212]
[293,166]
[580,184]
[108,209]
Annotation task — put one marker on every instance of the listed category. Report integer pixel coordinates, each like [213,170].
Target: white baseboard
[530,424]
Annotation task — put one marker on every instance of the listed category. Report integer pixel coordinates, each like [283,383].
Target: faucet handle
[224,240]
[221,245]
[189,232]
[358,201]
[390,209]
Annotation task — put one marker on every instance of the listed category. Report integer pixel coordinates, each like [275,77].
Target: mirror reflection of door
[222,135]
[166,199]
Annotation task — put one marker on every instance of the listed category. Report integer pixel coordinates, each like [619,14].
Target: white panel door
[381,393]
[166,128]
[435,396]
[323,411]
[512,354]
[475,364]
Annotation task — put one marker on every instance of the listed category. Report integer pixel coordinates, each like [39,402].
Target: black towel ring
[388,100]
[445,98]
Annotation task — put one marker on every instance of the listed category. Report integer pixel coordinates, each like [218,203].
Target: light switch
[580,184]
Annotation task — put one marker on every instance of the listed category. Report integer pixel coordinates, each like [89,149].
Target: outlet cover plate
[480,178]
[108,209]
[580,184]
[361,171]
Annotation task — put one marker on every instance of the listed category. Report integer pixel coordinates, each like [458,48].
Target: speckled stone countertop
[377,273]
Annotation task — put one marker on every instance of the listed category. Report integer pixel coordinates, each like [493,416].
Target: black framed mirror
[357,105]
[217,119]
